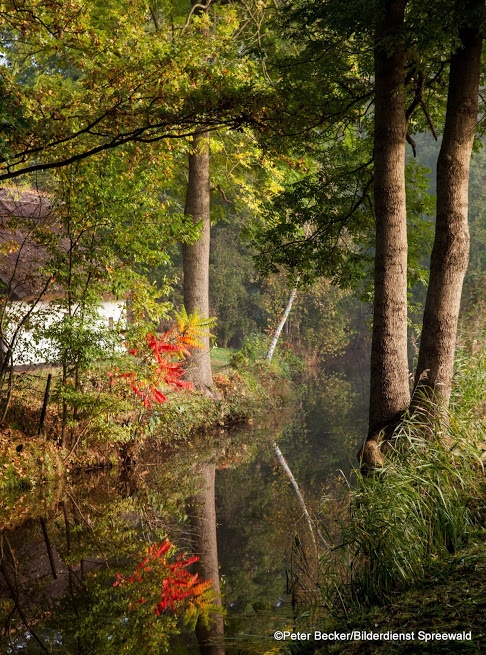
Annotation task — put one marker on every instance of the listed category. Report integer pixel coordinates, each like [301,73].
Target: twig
[49,549]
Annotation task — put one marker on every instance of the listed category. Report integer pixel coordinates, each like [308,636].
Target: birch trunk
[280,326]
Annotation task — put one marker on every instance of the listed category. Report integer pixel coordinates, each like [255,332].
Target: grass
[418,509]
[221,359]
[450,599]
[411,552]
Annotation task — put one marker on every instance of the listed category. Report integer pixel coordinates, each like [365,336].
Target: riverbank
[409,549]
[450,600]
[107,439]
[440,589]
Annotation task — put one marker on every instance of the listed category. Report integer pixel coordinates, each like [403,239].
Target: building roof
[27,220]
[29,225]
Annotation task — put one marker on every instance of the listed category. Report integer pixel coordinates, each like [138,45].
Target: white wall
[30,349]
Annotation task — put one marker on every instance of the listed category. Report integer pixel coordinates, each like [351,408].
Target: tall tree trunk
[203,521]
[389,386]
[195,257]
[450,252]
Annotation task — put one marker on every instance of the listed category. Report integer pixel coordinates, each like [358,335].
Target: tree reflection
[83,578]
[210,635]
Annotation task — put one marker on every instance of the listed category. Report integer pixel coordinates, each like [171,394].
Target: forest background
[206,160]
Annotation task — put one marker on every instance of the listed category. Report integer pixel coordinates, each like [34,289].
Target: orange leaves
[161,359]
[177,584]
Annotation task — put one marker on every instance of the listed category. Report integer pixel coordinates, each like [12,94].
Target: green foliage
[284,363]
[468,402]
[417,508]
[182,416]
[319,225]
[254,348]
[474,283]
[420,226]
[235,295]
[168,74]
[117,228]
[79,342]
[323,224]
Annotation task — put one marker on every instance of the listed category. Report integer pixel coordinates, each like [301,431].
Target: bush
[254,350]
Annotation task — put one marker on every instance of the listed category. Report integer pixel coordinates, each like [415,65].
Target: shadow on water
[69,553]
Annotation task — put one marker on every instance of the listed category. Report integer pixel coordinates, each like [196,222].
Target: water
[62,546]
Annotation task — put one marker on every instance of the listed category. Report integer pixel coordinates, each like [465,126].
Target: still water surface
[62,546]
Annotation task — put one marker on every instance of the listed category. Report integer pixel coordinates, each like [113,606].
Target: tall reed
[414,510]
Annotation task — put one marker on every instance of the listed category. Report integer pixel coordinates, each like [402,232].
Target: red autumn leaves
[161,359]
[165,369]
[177,585]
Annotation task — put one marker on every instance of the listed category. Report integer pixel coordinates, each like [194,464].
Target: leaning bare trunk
[389,387]
[451,246]
[196,257]
[281,459]
[283,320]
[203,521]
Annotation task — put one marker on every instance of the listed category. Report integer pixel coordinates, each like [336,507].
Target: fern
[193,327]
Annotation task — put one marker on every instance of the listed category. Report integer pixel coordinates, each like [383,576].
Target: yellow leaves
[193,327]
[8,247]
[202,604]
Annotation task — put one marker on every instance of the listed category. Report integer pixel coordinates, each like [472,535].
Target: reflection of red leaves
[177,585]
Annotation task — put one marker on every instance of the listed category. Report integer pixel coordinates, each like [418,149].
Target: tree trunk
[389,385]
[195,257]
[203,521]
[450,252]
[283,321]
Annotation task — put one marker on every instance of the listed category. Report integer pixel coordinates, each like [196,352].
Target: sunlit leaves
[90,77]
[165,584]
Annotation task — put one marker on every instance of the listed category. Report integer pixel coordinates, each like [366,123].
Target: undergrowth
[416,509]
[105,434]
[411,529]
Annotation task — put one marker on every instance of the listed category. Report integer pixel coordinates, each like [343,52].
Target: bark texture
[203,521]
[450,253]
[389,385]
[196,257]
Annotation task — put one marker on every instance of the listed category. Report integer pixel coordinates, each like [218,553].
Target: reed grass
[419,508]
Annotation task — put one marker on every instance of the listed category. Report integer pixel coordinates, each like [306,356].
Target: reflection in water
[62,548]
[203,520]
[72,581]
